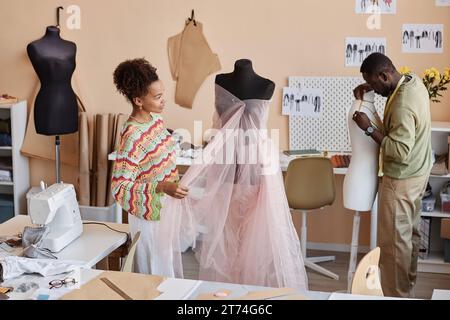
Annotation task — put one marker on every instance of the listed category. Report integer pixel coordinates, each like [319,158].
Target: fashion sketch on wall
[310,103]
[423,38]
[376,6]
[302,102]
[358,49]
[290,101]
[443,3]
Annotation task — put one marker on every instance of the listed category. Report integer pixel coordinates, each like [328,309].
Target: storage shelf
[439,126]
[434,257]
[17,113]
[435,263]
[447,176]
[436,213]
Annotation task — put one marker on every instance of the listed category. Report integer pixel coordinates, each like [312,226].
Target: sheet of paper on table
[177,289]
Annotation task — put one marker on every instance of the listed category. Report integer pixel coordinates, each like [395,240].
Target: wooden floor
[426,282]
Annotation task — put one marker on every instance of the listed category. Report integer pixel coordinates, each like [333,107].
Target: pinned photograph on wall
[376,6]
[423,38]
[358,49]
[310,103]
[443,3]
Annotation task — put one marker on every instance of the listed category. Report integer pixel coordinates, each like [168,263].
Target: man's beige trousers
[400,203]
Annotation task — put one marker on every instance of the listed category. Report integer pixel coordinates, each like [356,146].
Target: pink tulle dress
[236,216]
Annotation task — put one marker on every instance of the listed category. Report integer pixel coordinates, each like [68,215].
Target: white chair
[128,263]
[366,280]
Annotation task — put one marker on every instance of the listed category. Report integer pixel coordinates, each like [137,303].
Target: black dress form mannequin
[53,59]
[244,83]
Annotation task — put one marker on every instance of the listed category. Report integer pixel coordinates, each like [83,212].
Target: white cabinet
[20,167]
[435,261]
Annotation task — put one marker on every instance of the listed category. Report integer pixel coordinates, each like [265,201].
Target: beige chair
[310,185]
[366,280]
[128,263]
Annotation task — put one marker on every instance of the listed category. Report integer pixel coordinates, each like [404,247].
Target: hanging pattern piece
[191,61]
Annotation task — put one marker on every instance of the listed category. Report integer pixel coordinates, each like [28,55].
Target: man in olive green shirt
[406,160]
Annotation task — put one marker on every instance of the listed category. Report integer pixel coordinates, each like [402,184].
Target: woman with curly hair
[145,169]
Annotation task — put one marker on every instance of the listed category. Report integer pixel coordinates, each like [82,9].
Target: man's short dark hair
[376,63]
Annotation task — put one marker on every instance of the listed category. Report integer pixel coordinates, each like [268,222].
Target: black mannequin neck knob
[52,31]
[244,68]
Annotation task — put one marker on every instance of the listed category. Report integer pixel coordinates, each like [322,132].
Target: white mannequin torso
[361,180]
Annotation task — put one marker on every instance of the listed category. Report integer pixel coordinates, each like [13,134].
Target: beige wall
[282,38]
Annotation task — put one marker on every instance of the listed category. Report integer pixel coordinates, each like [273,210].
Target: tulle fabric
[236,216]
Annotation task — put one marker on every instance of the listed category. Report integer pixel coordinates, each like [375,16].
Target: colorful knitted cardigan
[145,157]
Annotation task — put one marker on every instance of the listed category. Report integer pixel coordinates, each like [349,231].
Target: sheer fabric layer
[236,216]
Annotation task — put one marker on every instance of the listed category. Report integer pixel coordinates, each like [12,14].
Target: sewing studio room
[224,150]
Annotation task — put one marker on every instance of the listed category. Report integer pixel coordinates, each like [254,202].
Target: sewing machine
[57,207]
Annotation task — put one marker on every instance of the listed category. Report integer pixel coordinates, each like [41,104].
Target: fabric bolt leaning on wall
[103,133]
[106,137]
[118,124]
[83,160]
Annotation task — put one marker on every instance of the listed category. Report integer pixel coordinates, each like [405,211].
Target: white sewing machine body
[57,208]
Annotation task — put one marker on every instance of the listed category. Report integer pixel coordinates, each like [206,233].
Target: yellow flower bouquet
[434,81]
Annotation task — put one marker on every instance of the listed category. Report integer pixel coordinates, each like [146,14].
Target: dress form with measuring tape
[361,180]
[360,187]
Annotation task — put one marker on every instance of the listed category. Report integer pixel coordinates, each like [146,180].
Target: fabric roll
[119,121]
[102,148]
[84,169]
[14,267]
[93,185]
[6,163]
[117,129]
[5,140]
[5,126]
